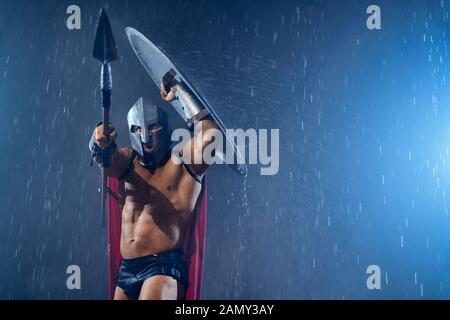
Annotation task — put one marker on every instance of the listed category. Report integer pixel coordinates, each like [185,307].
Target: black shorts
[133,272]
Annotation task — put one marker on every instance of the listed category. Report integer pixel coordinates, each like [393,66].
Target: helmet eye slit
[135,129]
[154,128]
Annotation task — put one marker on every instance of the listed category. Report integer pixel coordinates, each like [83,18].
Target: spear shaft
[105,51]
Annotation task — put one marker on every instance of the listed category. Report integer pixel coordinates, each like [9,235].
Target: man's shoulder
[126,158]
[125,152]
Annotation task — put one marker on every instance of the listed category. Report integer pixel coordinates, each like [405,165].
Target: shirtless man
[160,197]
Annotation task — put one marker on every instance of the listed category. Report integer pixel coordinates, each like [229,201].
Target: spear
[106,52]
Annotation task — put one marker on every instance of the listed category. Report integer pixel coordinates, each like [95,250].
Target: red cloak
[194,244]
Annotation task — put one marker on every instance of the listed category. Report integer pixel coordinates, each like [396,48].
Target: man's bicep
[193,151]
[192,156]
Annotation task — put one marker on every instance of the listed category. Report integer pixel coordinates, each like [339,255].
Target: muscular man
[160,196]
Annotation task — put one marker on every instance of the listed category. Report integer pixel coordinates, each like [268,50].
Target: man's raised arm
[204,125]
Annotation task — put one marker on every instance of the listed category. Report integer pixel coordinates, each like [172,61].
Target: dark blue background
[364,143]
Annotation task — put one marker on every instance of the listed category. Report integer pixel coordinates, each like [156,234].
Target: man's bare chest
[167,188]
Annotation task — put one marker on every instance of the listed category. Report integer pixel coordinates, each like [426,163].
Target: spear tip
[105,48]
